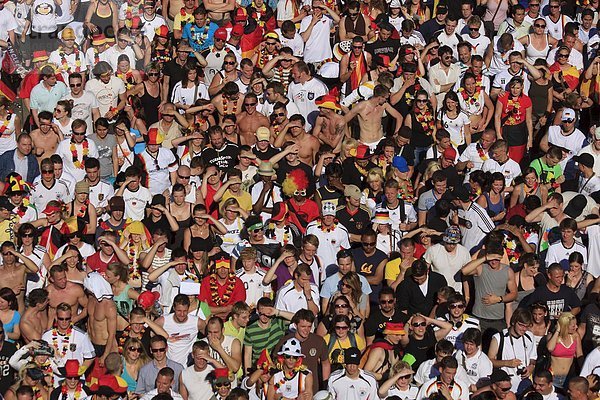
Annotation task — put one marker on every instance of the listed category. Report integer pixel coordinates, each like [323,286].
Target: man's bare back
[33,324]
[248,124]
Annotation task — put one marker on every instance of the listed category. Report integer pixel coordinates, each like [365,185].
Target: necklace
[199,36]
[480,152]
[65,391]
[425,118]
[127,78]
[65,340]
[63,60]
[5,124]
[214,289]
[225,107]
[86,150]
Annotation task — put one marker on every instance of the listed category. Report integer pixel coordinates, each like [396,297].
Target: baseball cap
[328,208]
[352,191]
[221,33]
[238,30]
[352,356]
[585,159]
[116,203]
[576,206]
[449,153]
[400,163]
[68,34]
[461,193]
[568,114]
[82,187]
[451,235]
[263,133]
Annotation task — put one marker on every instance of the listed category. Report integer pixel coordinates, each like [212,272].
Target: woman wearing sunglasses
[399,383]
[422,337]
[134,357]
[341,306]
[340,339]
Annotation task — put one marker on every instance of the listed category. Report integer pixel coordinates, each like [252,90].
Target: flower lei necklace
[425,118]
[65,340]
[214,289]
[86,150]
[199,36]
[409,95]
[127,78]
[480,152]
[129,11]
[325,228]
[65,391]
[132,251]
[48,373]
[360,169]
[225,101]
[37,393]
[83,209]
[126,335]
[470,99]
[265,57]
[284,77]
[5,124]
[63,60]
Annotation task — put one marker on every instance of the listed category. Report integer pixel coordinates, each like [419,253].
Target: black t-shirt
[162,223]
[423,349]
[367,266]
[7,374]
[285,168]
[388,48]
[591,317]
[175,73]
[564,300]
[224,158]
[352,176]
[265,155]
[356,224]
[429,28]
[375,324]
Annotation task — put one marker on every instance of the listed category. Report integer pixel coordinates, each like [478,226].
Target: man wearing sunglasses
[148,374]
[85,104]
[250,120]
[75,150]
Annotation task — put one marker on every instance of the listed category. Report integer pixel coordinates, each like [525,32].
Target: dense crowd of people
[299,199]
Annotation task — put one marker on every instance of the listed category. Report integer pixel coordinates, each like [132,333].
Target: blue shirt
[199,40]
[43,99]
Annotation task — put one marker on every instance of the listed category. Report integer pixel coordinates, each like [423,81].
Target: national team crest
[311,96]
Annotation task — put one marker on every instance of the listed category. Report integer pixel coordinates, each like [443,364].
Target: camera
[521,370]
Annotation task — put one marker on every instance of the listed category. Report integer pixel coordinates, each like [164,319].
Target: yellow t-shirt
[181,20]
[392,269]
[245,199]
[337,357]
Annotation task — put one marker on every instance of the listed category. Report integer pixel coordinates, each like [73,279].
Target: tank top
[195,383]
[130,380]
[139,146]
[490,282]
[539,97]
[533,54]
[150,105]
[563,351]
[179,350]
[104,23]
[493,209]
[183,225]
[522,195]
[123,303]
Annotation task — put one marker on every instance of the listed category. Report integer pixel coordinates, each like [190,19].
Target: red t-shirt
[514,110]
[309,212]
[96,264]
[238,293]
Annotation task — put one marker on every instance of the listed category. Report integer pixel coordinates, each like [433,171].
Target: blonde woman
[373,194]
[233,220]
[399,383]
[134,357]
[349,146]
[564,345]
[29,375]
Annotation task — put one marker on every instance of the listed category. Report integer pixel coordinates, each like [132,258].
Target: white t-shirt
[510,169]
[555,29]
[64,150]
[253,285]
[329,242]
[304,96]
[456,127]
[188,96]
[113,53]
[106,94]
[296,43]
[477,367]
[500,59]
[135,203]
[317,48]
[8,23]
[448,264]
[292,300]
[82,108]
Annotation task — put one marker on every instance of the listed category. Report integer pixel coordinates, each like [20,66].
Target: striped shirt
[263,338]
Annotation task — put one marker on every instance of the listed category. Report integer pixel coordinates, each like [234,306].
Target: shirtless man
[13,273]
[34,320]
[370,113]
[47,137]
[170,8]
[250,120]
[294,131]
[61,290]
[230,101]
[218,10]
[102,312]
[330,127]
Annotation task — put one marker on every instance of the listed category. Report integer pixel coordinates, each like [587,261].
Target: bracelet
[501,300]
